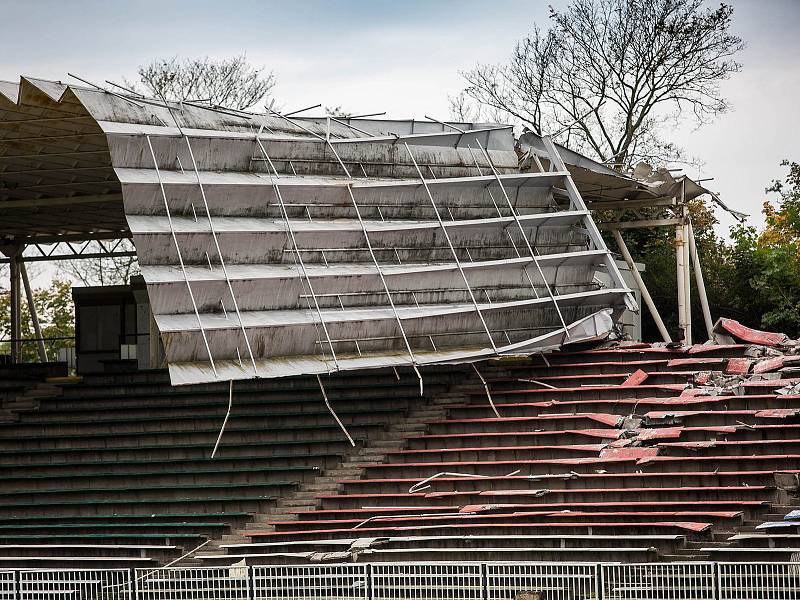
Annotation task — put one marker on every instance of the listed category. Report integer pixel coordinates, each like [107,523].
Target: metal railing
[219,583]
[758,581]
[427,581]
[553,581]
[74,584]
[420,581]
[659,581]
[334,582]
[8,585]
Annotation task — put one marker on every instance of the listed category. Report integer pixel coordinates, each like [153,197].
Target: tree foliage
[767,263]
[232,83]
[56,314]
[612,74]
[753,277]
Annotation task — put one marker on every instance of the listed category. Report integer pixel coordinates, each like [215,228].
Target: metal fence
[8,586]
[759,581]
[553,581]
[427,581]
[219,583]
[417,581]
[73,584]
[334,582]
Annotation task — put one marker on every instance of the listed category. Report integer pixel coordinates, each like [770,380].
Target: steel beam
[648,299]
[32,310]
[701,286]
[15,304]
[641,224]
[62,201]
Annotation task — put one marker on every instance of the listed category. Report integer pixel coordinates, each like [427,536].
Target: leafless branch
[635,66]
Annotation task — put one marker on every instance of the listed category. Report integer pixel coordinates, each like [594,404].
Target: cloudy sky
[403,57]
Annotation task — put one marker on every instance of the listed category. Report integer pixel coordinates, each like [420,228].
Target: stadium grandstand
[367,359]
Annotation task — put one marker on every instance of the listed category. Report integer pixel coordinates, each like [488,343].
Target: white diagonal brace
[524,237]
[221,259]
[452,249]
[180,257]
[272,177]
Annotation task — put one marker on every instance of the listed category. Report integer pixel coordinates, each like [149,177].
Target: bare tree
[115,270]
[338,112]
[232,83]
[613,74]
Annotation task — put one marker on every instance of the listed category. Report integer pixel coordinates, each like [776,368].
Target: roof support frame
[557,163]
[452,249]
[180,259]
[273,176]
[524,237]
[221,260]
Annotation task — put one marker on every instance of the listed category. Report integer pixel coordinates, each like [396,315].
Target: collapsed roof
[274,246]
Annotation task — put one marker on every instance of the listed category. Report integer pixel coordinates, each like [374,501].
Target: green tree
[754,277]
[56,314]
[766,265]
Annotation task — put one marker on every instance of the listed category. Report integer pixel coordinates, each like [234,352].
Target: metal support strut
[557,163]
[298,254]
[330,408]
[452,249]
[486,387]
[225,421]
[219,253]
[37,330]
[378,267]
[701,286]
[180,257]
[648,300]
[524,237]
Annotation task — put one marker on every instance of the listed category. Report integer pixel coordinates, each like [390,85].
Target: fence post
[251,582]
[135,585]
[599,582]
[17,594]
[717,582]
[485,580]
[370,593]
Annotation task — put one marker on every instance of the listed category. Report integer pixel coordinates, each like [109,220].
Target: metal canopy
[274,245]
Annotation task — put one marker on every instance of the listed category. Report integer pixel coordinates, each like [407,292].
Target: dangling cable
[486,387]
[419,376]
[330,408]
[225,422]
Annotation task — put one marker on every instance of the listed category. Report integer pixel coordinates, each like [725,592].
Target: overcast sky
[403,57]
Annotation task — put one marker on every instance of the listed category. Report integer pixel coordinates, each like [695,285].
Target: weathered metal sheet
[275,246]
